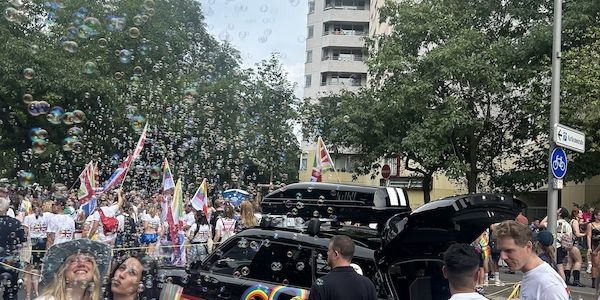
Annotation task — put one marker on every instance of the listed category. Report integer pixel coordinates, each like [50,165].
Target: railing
[344,58]
[346,7]
[342,83]
[345,32]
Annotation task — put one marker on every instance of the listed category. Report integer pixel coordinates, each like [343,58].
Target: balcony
[333,39]
[346,14]
[345,64]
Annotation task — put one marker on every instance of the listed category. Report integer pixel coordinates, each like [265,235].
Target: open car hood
[430,229]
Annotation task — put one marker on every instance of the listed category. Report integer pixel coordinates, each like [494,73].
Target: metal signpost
[554,112]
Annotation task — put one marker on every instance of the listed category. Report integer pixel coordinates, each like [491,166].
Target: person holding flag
[104,221]
[322,163]
[175,219]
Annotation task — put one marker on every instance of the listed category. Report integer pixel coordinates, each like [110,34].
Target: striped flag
[168,182]
[323,162]
[175,219]
[119,174]
[200,200]
[87,184]
[90,206]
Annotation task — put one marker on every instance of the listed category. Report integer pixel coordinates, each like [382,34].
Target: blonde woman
[247,216]
[74,270]
[152,229]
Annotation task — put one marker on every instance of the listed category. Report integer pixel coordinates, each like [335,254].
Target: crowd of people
[130,230]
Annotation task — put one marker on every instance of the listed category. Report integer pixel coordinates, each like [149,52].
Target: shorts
[38,245]
[561,255]
[148,238]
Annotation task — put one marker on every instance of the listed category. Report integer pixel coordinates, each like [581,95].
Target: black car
[402,256]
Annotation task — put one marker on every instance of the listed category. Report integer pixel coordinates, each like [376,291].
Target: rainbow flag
[200,200]
[175,220]
[323,162]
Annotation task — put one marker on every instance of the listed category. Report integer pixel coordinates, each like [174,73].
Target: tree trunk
[426,191]
[472,175]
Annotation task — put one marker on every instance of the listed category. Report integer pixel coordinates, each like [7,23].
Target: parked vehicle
[402,256]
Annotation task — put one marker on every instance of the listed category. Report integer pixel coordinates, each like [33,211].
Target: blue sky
[259,27]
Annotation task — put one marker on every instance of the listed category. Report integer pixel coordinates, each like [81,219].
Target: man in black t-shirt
[342,282]
[12,236]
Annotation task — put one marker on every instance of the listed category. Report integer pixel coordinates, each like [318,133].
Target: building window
[307,80]
[311,32]
[311,7]
[303,161]
[308,56]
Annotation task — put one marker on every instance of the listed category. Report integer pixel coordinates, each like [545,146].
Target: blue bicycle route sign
[558,163]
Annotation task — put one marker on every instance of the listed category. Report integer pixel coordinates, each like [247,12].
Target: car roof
[366,239]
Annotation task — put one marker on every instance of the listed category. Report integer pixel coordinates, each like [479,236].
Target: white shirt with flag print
[63,227]
[227,228]
[37,226]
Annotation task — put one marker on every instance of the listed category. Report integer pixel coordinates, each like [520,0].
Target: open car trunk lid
[430,229]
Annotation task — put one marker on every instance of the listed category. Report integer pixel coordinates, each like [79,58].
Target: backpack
[111,224]
[564,234]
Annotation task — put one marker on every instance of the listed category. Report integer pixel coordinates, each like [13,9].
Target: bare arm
[588,233]
[120,198]
[49,240]
[93,229]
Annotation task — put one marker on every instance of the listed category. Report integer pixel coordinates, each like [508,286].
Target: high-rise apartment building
[335,46]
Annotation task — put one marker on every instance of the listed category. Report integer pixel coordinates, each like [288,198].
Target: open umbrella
[236,196]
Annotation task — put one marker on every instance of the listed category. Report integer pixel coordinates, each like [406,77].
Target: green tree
[123,64]
[273,112]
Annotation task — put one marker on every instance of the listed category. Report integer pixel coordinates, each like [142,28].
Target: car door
[280,270]
[413,245]
[219,277]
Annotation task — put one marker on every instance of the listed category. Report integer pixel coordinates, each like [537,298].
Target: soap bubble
[68,118]
[115,23]
[13,15]
[77,147]
[137,71]
[89,67]
[28,73]
[125,56]
[75,132]
[155,172]
[37,108]
[149,4]
[102,42]
[38,134]
[264,8]
[68,144]
[78,116]
[25,178]
[119,75]
[38,147]
[27,98]
[70,46]
[56,115]
[137,20]
[90,27]
[134,32]
[276,266]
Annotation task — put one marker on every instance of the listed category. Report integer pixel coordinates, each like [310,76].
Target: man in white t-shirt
[540,281]
[37,230]
[105,236]
[61,227]
[461,268]
[189,217]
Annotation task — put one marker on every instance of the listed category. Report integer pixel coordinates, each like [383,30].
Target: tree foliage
[124,63]
[463,87]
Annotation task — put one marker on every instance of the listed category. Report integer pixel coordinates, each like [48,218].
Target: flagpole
[331,160]
[78,177]
[133,156]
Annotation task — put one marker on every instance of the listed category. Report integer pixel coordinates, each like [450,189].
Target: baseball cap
[545,238]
